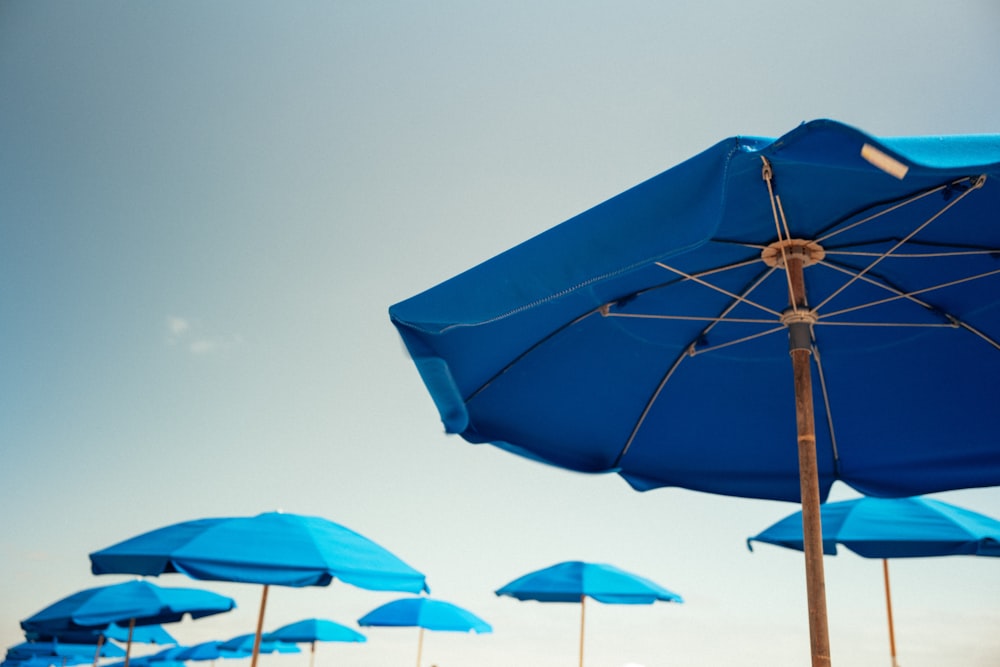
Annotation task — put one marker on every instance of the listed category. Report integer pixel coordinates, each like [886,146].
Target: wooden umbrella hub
[779,253]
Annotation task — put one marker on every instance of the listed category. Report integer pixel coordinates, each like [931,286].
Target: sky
[206,209]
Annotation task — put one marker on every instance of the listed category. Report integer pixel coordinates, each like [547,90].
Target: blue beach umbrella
[312,630]
[142,634]
[273,548]
[826,288]
[893,528]
[245,644]
[575,581]
[133,602]
[426,614]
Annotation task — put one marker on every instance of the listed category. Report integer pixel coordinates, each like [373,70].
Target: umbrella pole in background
[583,599]
[312,653]
[799,323]
[128,644]
[420,645]
[97,652]
[260,628]
[888,608]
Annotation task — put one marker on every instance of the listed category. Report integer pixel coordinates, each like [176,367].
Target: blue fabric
[425,613]
[516,352]
[315,630]
[142,634]
[894,528]
[570,581]
[271,548]
[140,601]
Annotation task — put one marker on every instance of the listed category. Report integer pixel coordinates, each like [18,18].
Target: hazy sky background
[206,209]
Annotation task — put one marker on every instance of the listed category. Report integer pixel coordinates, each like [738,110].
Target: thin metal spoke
[692,318]
[649,406]
[905,255]
[911,295]
[736,297]
[712,348]
[826,404]
[902,241]
[886,211]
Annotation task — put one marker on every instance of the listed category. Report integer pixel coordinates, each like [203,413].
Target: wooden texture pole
[128,644]
[97,651]
[812,530]
[583,613]
[260,628]
[888,608]
[420,645]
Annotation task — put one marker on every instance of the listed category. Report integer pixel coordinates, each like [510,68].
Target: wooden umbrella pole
[312,653]
[583,610]
[420,645]
[128,645]
[799,334]
[260,628]
[888,608]
[97,651]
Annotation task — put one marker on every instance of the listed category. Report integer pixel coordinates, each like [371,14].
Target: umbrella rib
[976,185]
[737,297]
[885,211]
[826,404]
[649,404]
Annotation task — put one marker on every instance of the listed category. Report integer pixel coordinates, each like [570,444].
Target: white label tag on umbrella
[888,164]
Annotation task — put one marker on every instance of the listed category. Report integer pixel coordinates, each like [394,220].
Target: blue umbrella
[143,634]
[650,335]
[270,548]
[135,602]
[245,644]
[312,630]
[425,614]
[575,581]
[893,528]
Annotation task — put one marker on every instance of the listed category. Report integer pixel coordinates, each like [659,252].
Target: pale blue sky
[207,207]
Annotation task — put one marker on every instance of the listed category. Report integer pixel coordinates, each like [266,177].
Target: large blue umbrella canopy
[893,528]
[270,548]
[312,630]
[650,335]
[575,581]
[58,649]
[426,614]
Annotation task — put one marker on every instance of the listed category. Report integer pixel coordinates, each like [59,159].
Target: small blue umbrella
[270,548]
[425,614]
[134,602]
[893,528]
[245,644]
[674,334]
[575,581]
[142,634]
[58,649]
[312,630]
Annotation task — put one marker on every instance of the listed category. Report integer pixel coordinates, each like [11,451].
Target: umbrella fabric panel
[547,350]
[894,528]
[272,548]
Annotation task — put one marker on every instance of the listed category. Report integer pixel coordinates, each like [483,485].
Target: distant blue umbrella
[270,548]
[58,649]
[425,614]
[893,528]
[574,581]
[135,602]
[142,634]
[211,650]
[245,643]
[312,630]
